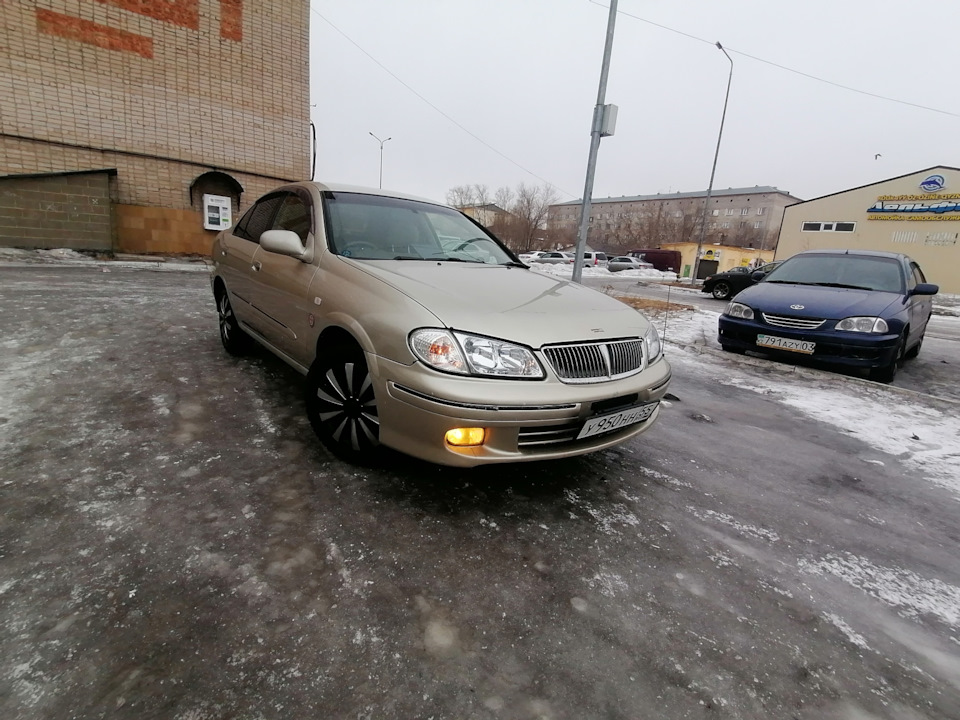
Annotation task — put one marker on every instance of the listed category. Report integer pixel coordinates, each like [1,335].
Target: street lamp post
[706,203]
[381,155]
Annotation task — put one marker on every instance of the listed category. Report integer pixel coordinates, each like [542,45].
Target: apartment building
[737,217]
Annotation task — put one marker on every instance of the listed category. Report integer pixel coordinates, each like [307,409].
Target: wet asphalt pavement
[175,544]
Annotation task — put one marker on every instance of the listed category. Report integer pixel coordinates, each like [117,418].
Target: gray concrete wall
[57,211]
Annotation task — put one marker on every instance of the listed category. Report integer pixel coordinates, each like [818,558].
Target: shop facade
[916,214]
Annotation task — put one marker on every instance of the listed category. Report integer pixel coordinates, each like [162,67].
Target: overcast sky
[499,92]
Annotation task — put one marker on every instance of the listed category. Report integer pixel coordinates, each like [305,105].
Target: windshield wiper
[819,284]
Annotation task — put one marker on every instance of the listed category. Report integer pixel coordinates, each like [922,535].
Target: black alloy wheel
[342,406]
[235,341]
[721,290]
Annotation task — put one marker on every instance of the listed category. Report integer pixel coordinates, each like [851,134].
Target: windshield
[371,227]
[851,271]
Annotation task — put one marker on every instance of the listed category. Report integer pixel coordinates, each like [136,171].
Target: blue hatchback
[857,308]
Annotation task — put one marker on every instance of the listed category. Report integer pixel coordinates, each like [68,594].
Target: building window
[716,212]
[760,211]
[828,227]
[728,211]
[725,225]
[745,211]
[758,224]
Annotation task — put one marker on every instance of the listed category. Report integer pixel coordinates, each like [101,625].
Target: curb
[162,266]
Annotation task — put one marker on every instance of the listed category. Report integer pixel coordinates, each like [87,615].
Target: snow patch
[904,590]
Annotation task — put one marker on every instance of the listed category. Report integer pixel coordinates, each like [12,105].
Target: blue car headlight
[739,310]
[864,325]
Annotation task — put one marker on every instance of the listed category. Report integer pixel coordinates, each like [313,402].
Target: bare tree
[461,196]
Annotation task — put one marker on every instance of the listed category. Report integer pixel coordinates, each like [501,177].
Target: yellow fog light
[466,437]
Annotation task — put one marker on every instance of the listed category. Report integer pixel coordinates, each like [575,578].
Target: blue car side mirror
[926,289]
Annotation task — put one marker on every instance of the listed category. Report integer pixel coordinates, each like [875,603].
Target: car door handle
[256,267]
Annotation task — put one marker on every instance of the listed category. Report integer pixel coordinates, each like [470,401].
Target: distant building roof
[755,190]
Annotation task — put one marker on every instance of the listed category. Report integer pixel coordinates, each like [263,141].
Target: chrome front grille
[597,361]
[797,323]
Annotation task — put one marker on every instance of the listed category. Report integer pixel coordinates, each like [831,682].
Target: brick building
[146,105]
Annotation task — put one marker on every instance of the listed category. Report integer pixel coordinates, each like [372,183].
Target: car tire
[915,350]
[886,373]
[342,406]
[235,340]
[721,290]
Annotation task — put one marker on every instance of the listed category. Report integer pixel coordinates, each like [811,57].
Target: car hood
[817,301]
[510,303]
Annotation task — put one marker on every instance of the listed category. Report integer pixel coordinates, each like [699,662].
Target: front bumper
[524,420]
[860,350]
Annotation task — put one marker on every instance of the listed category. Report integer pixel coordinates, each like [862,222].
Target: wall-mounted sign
[934,183]
[216,212]
[915,207]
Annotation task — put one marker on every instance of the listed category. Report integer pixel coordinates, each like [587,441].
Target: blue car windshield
[850,271]
[372,227]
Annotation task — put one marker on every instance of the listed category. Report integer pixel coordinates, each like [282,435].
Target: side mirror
[926,289]
[758,275]
[282,242]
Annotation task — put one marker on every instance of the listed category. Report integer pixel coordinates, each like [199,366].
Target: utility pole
[706,203]
[604,121]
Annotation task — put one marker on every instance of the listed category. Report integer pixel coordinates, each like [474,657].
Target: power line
[784,67]
[437,109]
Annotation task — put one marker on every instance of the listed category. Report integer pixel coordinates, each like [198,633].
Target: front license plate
[779,343]
[617,420]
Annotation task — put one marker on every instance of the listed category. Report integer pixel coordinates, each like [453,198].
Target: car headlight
[467,354]
[654,347]
[863,324]
[739,310]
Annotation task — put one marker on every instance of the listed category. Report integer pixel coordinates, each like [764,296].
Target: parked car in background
[665,260]
[726,284]
[418,330]
[556,258]
[625,262]
[528,257]
[596,259]
[857,308]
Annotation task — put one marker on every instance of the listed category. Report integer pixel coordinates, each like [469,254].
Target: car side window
[918,276]
[294,215]
[258,218]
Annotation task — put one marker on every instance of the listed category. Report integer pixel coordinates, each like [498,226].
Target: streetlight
[706,203]
[381,155]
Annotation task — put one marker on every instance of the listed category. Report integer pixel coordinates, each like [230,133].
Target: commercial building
[736,217]
[917,214]
[119,117]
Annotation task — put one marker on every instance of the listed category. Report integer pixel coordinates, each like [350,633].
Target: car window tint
[259,217]
[918,276]
[294,215]
[372,227]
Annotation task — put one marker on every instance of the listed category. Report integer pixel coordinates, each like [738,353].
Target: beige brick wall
[215,84]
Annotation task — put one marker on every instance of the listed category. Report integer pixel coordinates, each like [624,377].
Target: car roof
[342,187]
[864,253]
